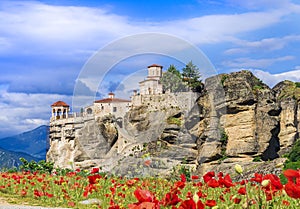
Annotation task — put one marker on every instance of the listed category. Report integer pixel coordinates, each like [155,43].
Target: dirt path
[5,205]
[3,201]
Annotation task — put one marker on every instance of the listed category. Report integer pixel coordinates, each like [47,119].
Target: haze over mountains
[31,145]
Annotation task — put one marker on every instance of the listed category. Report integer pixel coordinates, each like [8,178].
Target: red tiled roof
[150,79]
[111,100]
[155,65]
[60,104]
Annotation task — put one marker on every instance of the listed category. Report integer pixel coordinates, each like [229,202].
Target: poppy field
[93,189]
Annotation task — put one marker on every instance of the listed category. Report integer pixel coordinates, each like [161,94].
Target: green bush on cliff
[174,120]
[294,155]
[293,159]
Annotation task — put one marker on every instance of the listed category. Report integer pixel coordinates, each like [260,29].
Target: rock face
[236,119]
[288,96]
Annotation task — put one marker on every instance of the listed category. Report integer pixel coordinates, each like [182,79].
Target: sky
[45,45]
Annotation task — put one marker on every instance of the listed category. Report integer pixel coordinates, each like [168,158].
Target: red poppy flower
[210,203]
[237,200]
[188,204]
[179,184]
[143,205]
[220,175]
[269,195]
[143,195]
[195,177]
[183,178]
[200,194]
[71,204]
[145,200]
[208,176]
[292,190]
[242,190]
[93,179]
[222,198]
[285,203]
[130,182]
[226,181]
[38,193]
[95,170]
[213,183]
[275,182]
[170,199]
[257,178]
[200,205]
[291,174]
[23,192]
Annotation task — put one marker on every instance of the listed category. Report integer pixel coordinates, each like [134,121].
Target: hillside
[34,142]
[10,159]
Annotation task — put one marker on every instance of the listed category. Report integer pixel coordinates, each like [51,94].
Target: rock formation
[236,119]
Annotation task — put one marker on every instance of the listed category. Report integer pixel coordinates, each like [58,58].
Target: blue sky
[45,44]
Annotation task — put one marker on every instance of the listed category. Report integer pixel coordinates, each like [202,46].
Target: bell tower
[60,110]
[154,71]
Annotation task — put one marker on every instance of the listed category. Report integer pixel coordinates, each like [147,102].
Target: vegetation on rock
[191,75]
[172,80]
[293,157]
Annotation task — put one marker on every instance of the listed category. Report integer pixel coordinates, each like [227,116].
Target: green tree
[191,75]
[172,80]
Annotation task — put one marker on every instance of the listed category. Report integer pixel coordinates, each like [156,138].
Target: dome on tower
[60,104]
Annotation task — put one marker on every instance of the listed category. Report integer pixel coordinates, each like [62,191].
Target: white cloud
[21,112]
[261,4]
[273,79]
[255,63]
[217,28]
[264,45]
[46,26]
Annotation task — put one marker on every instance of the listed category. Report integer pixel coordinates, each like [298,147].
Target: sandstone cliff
[237,118]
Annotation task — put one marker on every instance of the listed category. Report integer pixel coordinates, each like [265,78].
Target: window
[89,111]
[114,109]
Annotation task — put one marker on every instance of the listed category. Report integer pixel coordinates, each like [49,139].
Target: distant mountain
[10,159]
[34,143]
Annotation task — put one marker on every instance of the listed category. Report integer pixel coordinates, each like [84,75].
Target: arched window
[89,111]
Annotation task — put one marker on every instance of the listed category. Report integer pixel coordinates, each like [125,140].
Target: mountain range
[31,145]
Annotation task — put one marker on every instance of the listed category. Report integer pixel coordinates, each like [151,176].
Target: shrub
[294,154]
[32,166]
[224,77]
[293,160]
[257,87]
[174,120]
[224,136]
[257,159]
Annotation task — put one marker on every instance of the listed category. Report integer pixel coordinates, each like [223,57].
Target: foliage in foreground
[77,188]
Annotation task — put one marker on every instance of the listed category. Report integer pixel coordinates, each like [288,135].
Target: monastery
[112,105]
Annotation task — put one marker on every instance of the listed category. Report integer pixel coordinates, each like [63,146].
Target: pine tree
[191,75]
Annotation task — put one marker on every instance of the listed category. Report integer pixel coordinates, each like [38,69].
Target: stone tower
[152,85]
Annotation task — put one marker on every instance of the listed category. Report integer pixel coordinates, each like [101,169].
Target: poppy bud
[265,182]
[196,197]
[238,168]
